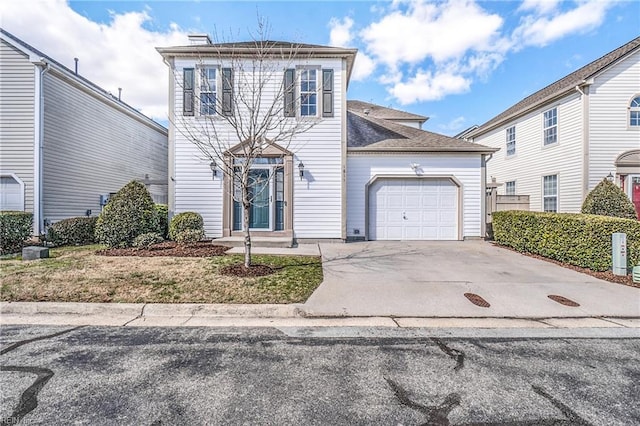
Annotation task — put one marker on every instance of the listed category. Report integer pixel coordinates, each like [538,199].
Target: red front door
[635,193]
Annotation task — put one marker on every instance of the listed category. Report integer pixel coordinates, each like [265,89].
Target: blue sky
[459,62]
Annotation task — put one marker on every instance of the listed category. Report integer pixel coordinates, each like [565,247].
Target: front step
[275,242]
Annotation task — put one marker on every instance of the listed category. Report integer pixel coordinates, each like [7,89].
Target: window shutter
[227,91]
[327,93]
[188,82]
[289,93]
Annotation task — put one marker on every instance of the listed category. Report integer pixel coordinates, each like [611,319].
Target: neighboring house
[368,172]
[65,143]
[560,142]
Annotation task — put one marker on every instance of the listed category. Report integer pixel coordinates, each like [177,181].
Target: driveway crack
[138,317]
[455,354]
[16,345]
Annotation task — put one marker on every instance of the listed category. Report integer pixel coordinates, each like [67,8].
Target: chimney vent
[198,39]
[76,61]
[119,93]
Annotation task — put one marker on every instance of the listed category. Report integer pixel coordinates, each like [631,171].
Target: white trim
[17,179]
[557,175]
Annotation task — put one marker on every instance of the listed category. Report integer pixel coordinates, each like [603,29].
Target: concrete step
[256,241]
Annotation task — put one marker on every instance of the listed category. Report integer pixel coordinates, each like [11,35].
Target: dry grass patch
[77,274]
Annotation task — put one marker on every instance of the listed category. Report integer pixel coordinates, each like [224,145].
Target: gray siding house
[65,143]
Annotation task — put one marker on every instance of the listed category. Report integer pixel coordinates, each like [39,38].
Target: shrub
[185,221]
[72,231]
[607,199]
[129,213]
[189,236]
[144,241]
[162,212]
[15,228]
[577,239]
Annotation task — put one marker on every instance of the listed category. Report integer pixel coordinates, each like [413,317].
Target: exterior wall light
[214,171]
[610,177]
[301,169]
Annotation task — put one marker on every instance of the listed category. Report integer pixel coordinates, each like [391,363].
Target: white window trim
[544,128]
[198,83]
[557,194]
[20,182]
[629,110]
[506,192]
[298,91]
[507,141]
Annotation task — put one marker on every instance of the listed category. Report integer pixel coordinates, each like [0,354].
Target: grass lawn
[77,274]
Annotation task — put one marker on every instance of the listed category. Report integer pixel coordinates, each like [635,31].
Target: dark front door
[259,193]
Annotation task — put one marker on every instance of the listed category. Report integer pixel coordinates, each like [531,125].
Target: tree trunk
[246,205]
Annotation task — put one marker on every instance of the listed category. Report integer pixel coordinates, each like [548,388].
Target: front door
[260,194]
[635,193]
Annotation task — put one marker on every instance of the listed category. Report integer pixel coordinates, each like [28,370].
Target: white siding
[17,85]
[92,148]
[464,167]
[533,160]
[609,131]
[318,195]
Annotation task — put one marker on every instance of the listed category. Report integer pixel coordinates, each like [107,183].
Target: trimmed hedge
[129,213]
[189,236]
[144,241]
[607,199]
[15,228]
[185,221]
[73,231]
[162,211]
[577,239]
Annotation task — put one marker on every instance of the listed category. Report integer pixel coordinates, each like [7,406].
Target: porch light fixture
[301,169]
[214,171]
[610,177]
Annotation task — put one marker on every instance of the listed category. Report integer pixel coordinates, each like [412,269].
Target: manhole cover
[477,300]
[563,300]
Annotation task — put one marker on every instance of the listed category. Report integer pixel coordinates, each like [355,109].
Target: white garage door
[413,209]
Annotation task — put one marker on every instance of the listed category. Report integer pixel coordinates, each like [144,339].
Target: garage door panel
[413,209]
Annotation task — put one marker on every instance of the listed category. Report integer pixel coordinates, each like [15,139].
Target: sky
[458,62]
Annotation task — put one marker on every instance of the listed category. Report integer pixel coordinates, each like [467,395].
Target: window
[308,92]
[550,193]
[634,112]
[551,126]
[511,141]
[510,188]
[11,193]
[208,91]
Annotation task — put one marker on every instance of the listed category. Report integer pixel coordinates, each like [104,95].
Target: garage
[413,209]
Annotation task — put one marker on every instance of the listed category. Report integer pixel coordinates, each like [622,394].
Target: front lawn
[78,274]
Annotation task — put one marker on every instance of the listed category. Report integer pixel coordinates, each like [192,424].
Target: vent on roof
[195,39]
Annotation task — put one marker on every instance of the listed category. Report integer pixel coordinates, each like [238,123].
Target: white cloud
[454,125]
[363,67]
[119,53]
[542,6]
[340,32]
[547,26]
[426,86]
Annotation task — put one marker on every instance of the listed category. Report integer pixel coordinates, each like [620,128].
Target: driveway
[430,279]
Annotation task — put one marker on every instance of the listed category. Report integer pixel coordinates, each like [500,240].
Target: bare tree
[255,109]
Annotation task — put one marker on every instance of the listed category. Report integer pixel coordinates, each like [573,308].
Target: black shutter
[289,93]
[327,93]
[188,82]
[227,91]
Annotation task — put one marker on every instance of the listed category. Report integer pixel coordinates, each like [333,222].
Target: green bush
[185,221]
[162,211]
[72,231]
[129,213]
[607,199]
[15,228]
[189,236]
[144,241]
[577,239]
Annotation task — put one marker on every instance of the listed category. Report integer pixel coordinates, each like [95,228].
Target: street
[194,376]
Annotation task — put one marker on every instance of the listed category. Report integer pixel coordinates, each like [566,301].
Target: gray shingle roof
[560,87]
[378,111]
[367,133]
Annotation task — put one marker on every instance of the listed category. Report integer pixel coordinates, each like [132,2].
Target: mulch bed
[169,248]
[605,275]
[241,271]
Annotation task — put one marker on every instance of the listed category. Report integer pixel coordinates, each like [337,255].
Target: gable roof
[377,111]
[369,134]
[560,87]
[37,57]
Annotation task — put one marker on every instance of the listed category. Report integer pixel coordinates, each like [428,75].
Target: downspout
[483,195]
[41,68]
[584,97]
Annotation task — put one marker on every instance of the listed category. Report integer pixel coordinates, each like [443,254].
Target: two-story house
[560,142]
[65,143]
[361,171]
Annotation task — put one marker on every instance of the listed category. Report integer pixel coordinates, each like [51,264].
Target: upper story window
[634,112]
[511,140]
[208,90]
[550,126]
[308,92]
[510,188]
[550,193]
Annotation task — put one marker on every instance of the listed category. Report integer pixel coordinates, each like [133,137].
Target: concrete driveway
[430,279]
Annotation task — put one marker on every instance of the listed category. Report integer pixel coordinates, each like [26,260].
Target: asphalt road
[184,376]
